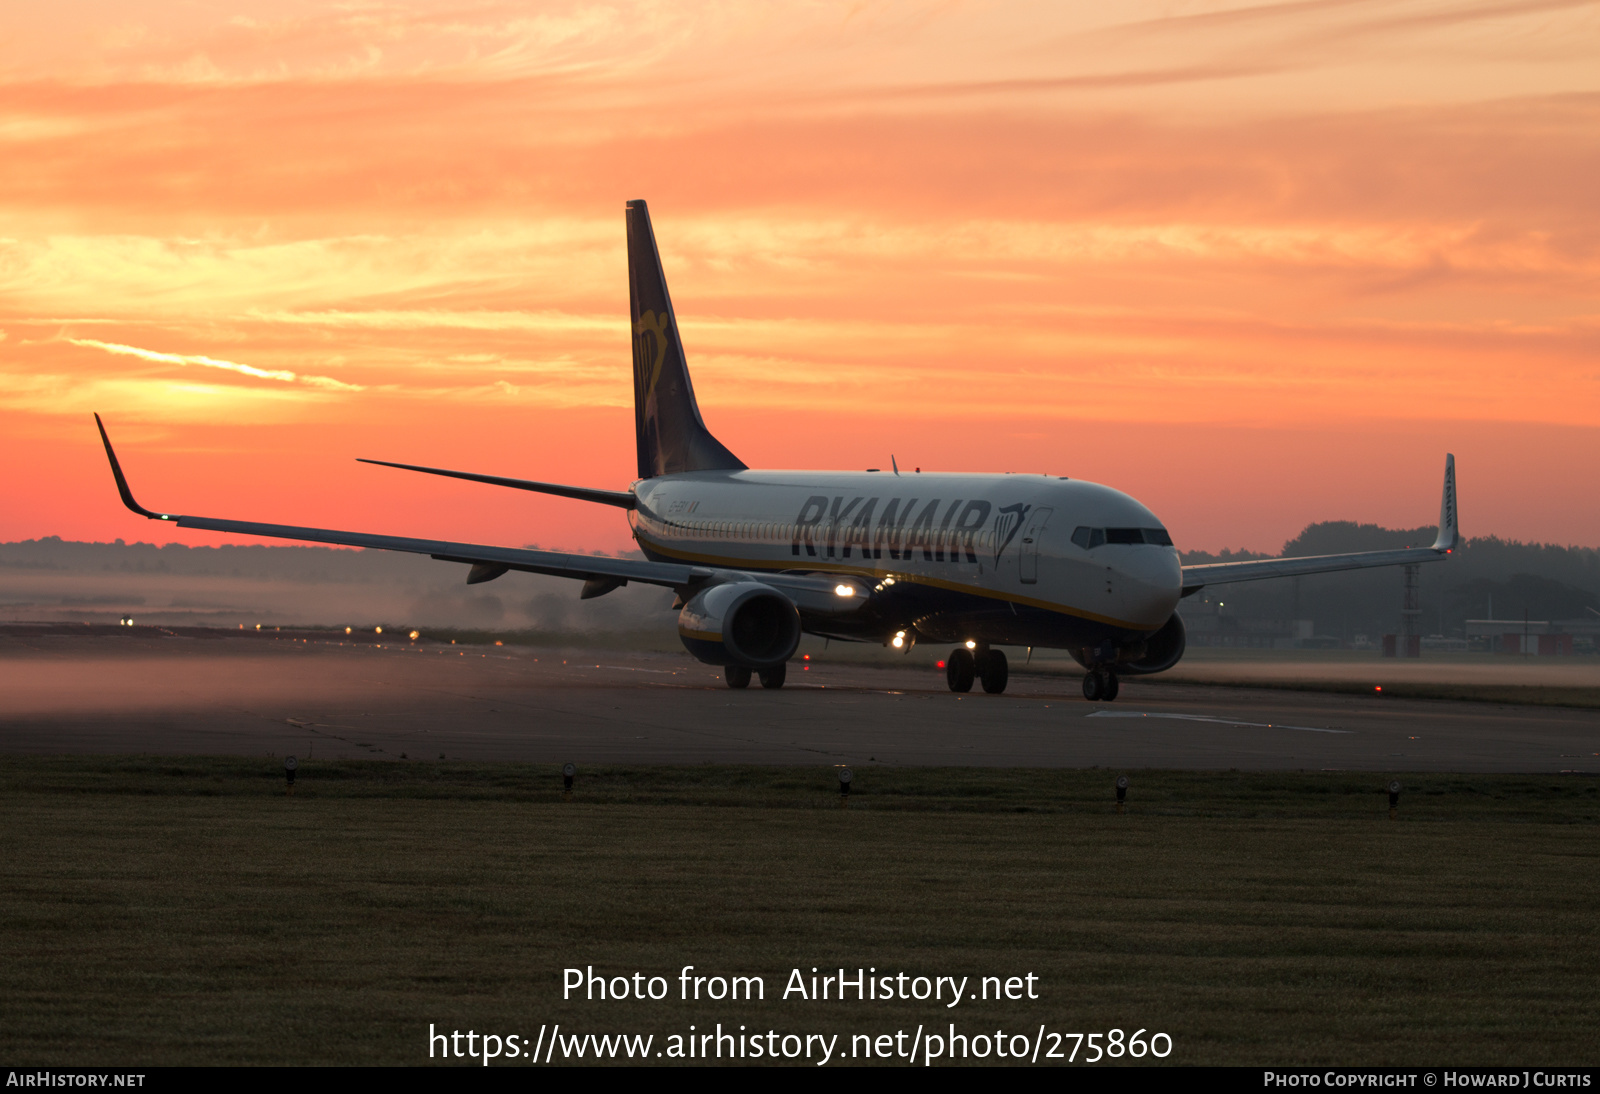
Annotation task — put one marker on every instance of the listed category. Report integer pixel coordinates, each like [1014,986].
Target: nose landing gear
[1100,686]
[738,676]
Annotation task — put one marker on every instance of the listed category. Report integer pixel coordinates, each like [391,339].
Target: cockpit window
[1089,538]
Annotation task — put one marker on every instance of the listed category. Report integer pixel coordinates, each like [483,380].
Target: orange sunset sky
[1257,264]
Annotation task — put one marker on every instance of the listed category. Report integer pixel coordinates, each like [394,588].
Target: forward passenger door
[1028,557]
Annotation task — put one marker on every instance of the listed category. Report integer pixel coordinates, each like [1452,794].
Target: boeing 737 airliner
[757,558]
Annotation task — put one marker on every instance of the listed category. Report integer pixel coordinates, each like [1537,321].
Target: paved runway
[142,693]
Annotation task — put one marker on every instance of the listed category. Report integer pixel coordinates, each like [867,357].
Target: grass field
[188,911]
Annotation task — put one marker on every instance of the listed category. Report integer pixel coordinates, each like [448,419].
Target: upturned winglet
[122,480]
[1449,530]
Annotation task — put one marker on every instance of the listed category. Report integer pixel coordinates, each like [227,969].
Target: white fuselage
[956,556]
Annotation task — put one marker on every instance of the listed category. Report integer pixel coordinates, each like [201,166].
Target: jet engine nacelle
[1162,650]
[1157,653]
[740,623]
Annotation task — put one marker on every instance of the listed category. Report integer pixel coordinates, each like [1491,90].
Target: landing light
[415,635]
[844,590]
[898,641]
[971,645]
[347,630]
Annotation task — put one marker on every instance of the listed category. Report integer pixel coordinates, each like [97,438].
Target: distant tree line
[1487,577]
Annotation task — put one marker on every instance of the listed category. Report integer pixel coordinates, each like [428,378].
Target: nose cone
[1149,581]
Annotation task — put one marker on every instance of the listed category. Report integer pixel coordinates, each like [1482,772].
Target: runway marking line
[1208,718]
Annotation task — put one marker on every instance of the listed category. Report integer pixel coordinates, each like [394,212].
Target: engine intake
[740,623]
[1162,650]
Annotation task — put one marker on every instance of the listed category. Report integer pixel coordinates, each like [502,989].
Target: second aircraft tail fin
[671,435]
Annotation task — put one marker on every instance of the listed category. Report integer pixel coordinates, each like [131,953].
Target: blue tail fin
[672,437]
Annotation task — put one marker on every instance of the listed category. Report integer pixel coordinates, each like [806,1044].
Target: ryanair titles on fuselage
[874,527]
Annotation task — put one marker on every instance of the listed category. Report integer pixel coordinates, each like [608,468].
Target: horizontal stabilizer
[623,499]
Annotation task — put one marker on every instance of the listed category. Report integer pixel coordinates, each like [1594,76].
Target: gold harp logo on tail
[650,335]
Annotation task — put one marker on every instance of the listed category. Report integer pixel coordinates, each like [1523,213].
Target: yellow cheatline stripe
[877,574]
[705,635]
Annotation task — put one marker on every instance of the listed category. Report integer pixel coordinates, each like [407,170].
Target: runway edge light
[1394,797]
[567,772]
[845,778]
[1122,791]
[289,766]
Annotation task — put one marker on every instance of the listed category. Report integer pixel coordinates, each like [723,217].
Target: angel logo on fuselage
[1006,523]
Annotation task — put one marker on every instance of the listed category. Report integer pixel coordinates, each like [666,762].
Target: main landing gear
[1100,686]
[738,676]
[964,667]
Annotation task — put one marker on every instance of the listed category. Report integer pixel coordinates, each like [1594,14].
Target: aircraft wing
[600,573]
[1196,578]
[494,560]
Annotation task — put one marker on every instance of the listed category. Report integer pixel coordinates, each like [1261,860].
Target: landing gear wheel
[772,678]
[1109,689]
[1091,686]
[960,670]
[994,672]
[737,676]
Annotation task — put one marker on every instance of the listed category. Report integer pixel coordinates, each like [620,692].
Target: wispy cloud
[425,318]
[281,375]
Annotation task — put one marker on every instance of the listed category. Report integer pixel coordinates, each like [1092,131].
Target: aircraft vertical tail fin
[671,435]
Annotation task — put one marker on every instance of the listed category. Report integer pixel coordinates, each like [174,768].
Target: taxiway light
[289,765]
[844,590]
